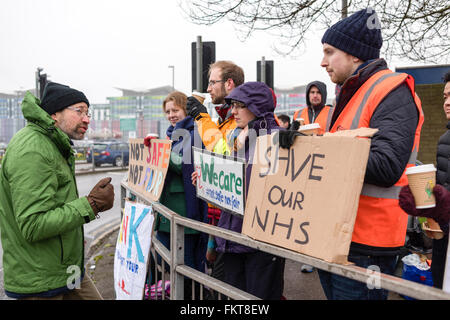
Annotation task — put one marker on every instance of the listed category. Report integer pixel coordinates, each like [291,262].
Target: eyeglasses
[213,82]
[237,104]
[81,112]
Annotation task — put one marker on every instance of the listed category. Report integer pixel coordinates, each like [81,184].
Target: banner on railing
[307,195]
[220,180]
[132,251]
[148,166]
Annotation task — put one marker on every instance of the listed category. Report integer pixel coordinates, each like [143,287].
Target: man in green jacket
[41,214]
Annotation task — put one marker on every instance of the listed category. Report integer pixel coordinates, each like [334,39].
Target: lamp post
[173,77]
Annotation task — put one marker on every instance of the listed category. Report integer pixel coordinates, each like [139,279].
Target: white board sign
[220,180]
[132,251]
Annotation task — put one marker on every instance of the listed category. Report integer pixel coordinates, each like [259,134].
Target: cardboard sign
[307,195]
[220,180]
[132,251]
[148,166]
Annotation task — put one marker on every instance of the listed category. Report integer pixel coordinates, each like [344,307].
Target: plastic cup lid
[309,126]
[421,169]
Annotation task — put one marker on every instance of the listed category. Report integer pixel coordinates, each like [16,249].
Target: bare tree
[416,30]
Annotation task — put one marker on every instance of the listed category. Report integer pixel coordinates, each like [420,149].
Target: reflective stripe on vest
[323,118]
[380,222]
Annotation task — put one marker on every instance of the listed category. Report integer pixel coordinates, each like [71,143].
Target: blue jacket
[258,99]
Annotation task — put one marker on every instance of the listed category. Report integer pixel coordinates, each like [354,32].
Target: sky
[98,45]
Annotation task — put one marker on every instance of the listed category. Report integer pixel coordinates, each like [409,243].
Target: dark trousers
[337,287]
[438,261]
[258,273]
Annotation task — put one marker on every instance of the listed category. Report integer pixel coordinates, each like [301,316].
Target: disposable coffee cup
[199,96]
[422,180]
[310,129]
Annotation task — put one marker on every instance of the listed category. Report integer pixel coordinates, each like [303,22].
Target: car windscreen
[100,147]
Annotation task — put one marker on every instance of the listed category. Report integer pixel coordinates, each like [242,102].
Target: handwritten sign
[148,166]
[132,250]
[307,195]
[221,180]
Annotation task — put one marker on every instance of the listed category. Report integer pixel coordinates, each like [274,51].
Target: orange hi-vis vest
[380,222]
[323,118]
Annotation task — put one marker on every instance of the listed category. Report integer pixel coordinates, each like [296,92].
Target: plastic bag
[417,270]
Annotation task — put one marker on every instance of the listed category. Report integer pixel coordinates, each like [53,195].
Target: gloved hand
[101,197]
[194,108]
[295,125]
[287,138]
[147,140]
[440,213]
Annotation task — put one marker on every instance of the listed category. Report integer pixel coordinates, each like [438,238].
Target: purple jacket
[258,98]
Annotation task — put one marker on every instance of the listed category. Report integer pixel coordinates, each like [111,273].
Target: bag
[414,269]
[154,292]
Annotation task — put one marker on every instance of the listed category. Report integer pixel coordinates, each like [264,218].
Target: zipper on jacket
[62,249]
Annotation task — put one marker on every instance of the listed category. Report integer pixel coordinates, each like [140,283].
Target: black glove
[286,138]
[194,107]
[294,125]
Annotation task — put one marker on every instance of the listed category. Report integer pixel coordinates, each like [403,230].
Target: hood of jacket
[322,89]
[33,113]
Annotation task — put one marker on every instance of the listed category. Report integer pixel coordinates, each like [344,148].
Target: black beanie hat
[359,35]
[57,97]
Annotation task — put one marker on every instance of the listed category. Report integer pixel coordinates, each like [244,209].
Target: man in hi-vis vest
[316,110]
[371,96]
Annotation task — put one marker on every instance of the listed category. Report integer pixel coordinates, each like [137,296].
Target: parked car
[115,153]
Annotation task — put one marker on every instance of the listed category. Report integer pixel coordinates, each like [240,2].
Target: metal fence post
[177,254]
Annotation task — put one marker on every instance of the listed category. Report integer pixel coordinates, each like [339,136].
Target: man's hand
[194,177]
[287,138]
[101,197]
[194,108]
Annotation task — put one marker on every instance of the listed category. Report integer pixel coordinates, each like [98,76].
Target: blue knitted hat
[359,35]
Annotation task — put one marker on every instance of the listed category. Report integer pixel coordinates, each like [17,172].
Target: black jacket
[396,117]
[313,112]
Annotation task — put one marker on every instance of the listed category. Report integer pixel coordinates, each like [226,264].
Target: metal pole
[173,77]
[199,61]
[263,69]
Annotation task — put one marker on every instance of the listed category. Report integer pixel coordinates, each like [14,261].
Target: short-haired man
[371,96]
[284,121]
[316,111]
[41,214]
[224,76]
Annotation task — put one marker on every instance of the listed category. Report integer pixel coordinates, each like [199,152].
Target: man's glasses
[213,82]
[81,112]
[237,104]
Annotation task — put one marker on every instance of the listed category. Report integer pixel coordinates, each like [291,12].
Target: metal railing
[178,270]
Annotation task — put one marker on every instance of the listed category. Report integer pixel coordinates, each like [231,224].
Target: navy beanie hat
[57,97]
[358,35]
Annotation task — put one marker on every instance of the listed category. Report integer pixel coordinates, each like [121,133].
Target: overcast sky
[97,45]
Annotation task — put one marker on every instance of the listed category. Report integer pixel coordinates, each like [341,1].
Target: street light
[173,77]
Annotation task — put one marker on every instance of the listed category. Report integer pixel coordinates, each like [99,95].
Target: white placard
[132,251]
[221,180]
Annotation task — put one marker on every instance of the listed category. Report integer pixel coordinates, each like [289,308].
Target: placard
[308,195]
[148,166]
[220,180]
[132,251]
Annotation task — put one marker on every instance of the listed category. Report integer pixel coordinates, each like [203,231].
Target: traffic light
[208,57]
[269,72]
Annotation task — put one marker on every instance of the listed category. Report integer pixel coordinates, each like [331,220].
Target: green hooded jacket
[41,215]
